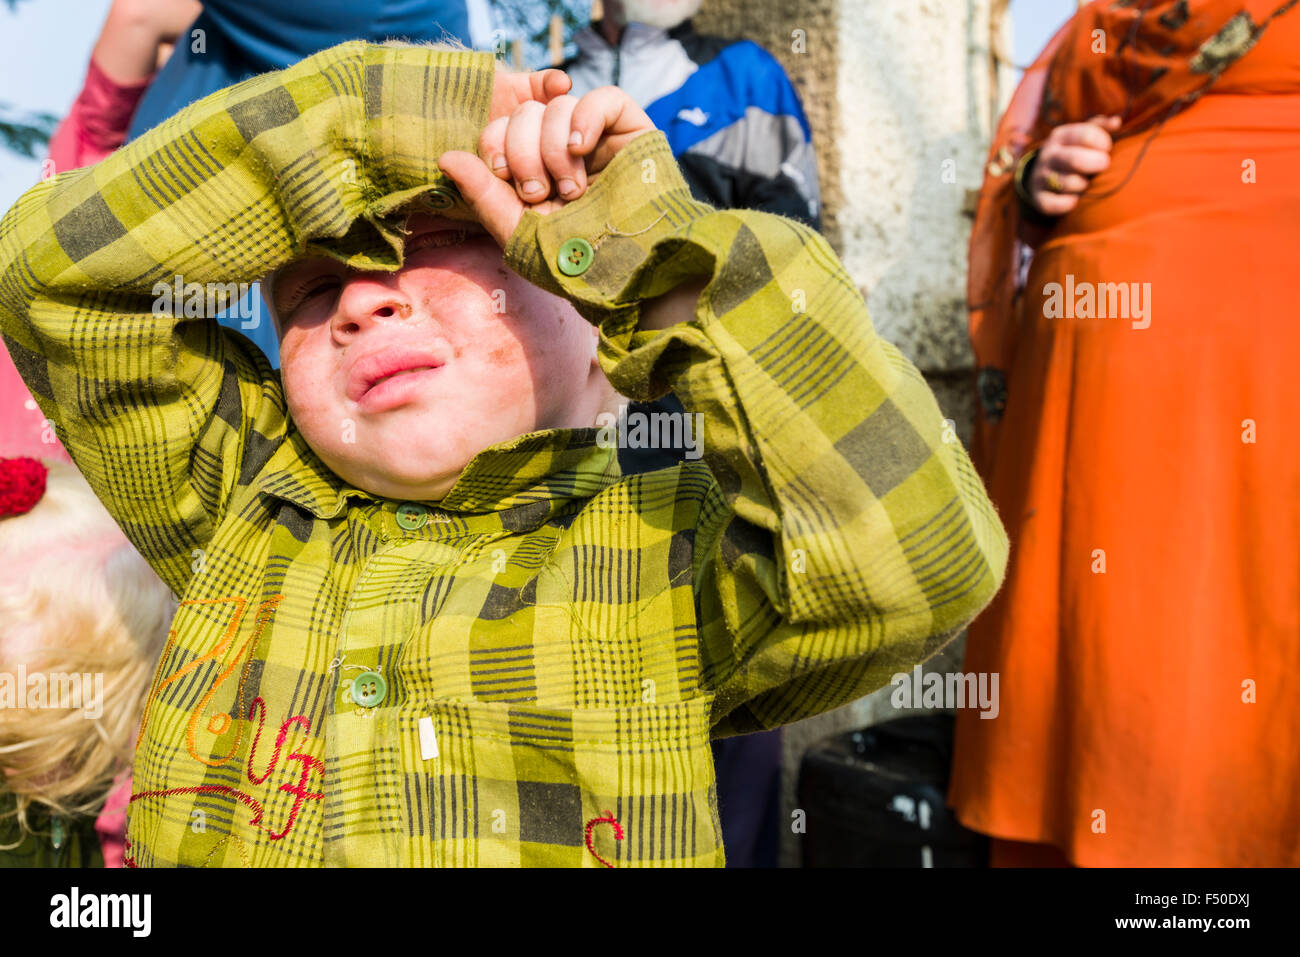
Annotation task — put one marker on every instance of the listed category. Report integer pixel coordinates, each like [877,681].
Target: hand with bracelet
[1052,178]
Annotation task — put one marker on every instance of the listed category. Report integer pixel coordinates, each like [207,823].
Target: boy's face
[396,380]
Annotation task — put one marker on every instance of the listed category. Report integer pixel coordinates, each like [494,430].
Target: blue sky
[1035,21]
[44,48]
[45,45]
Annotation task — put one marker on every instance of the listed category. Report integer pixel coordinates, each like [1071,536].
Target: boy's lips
[375,367]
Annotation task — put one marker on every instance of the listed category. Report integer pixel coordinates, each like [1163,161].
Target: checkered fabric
[568,637]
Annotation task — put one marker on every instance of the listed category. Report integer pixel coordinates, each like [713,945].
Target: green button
[575,256]
[369,689]
[443,198]
[412,517]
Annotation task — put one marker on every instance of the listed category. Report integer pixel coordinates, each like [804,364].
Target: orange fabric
[1123,737]
[1020,854]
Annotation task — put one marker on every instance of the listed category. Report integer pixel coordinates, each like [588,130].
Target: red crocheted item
[22,483]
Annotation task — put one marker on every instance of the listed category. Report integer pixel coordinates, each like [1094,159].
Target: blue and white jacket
[730,113]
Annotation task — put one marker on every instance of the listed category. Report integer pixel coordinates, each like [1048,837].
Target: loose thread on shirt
[611,231]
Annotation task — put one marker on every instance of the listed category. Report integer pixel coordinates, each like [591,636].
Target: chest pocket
[516,785]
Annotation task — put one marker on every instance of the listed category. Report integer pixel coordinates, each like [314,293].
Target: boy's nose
[369,299]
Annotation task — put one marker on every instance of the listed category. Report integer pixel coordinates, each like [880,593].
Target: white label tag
[428,740]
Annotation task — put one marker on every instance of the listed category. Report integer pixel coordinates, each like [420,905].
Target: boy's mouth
[387,363]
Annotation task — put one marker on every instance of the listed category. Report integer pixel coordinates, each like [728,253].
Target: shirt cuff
[624,241]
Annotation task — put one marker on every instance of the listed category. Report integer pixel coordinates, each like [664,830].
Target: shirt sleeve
[847,536]
[166,412]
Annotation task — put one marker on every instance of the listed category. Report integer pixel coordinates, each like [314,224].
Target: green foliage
[25,133]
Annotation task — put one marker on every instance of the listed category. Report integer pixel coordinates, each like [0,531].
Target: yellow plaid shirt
[527,672]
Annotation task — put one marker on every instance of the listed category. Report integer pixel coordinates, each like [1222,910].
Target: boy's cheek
[323,425]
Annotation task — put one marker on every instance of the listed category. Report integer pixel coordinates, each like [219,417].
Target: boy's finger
[494,202]
[524,152]
[604,113]
[568,171]
[511,89]
[492,146]
[546,85]
[609,147]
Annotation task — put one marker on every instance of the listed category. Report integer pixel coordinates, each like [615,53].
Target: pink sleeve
[97,123]
[23,429]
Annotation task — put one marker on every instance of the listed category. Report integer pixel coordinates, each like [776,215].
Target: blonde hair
[71,581]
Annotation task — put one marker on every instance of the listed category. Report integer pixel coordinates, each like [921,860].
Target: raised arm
[849,536]
[169,415]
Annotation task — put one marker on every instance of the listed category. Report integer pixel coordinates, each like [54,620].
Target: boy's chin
[407,487]
[410,477]
[410,465]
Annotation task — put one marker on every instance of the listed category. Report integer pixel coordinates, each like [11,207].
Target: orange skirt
[1147,468]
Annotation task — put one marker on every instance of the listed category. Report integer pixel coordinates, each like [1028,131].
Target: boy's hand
[509,90]
[542,150]
[1067,161]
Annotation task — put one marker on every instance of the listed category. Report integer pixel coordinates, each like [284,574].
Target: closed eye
[309,289]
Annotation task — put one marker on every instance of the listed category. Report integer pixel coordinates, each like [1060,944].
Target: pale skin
[1075,153]
[507,358]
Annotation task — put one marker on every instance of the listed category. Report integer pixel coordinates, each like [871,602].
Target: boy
[424,619]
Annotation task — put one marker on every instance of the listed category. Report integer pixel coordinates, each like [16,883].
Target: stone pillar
[902,96]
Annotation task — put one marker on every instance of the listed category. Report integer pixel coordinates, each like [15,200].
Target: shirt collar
[553,466]
[636,36]
[591,43]
[640,36]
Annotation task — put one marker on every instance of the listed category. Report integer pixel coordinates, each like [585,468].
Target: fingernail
[531,186]
[575,138]
[567,188]
[499,161]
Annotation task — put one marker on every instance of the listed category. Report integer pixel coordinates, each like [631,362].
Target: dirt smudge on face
[501,355]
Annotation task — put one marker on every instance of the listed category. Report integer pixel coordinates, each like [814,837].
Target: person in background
[136,39]
[75,597]
[83,619]
[1137,398]
[235,39]
[731,115]
[739,134]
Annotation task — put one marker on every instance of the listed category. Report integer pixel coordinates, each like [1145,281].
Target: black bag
[876,798]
